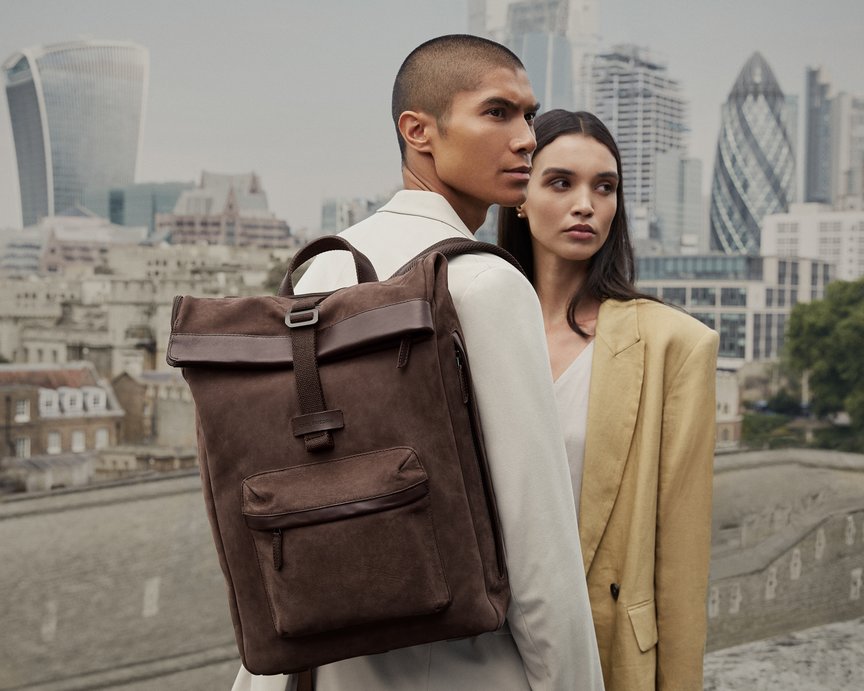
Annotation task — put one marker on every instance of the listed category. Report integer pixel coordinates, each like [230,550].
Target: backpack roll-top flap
[333,490]
[264,340]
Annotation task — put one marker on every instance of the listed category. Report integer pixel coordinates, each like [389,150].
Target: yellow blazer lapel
[613,404]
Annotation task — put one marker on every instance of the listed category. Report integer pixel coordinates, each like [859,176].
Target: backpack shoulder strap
[453,247]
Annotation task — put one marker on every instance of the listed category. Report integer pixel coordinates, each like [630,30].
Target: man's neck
[471,214]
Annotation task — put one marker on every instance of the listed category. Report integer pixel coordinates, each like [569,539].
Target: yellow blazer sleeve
[684,517]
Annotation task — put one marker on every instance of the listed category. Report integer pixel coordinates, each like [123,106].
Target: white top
[571,394]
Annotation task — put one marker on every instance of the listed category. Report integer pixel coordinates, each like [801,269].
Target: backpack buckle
[302,317]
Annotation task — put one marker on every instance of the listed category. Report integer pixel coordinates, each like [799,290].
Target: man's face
[482,149]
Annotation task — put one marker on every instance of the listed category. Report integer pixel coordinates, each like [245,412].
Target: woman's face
[571,198]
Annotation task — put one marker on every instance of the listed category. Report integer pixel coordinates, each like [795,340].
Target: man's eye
[530,117]
[496,112]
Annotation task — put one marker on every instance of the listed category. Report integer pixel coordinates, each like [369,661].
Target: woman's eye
[560,184]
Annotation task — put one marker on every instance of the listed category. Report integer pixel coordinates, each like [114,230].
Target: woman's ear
[417,130]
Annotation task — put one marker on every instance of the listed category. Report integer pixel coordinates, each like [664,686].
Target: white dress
[571,394]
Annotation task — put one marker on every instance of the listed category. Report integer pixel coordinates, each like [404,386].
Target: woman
[635,385]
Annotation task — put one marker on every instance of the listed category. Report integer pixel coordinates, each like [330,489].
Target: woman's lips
[581,231]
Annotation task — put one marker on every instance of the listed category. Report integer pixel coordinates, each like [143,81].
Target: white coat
[549,642]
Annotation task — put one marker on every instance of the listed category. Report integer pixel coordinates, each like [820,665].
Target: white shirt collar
[427,204]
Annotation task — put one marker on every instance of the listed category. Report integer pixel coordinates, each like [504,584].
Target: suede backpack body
[343,465]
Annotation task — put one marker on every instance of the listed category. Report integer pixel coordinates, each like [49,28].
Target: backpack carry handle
[365,271]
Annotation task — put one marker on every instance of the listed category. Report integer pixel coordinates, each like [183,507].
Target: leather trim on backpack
[364,330]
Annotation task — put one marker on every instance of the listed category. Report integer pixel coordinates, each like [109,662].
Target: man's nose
[524,140]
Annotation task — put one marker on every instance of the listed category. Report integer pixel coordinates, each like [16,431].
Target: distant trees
[825,340]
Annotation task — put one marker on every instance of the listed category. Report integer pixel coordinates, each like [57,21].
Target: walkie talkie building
[754,167]
[77,114]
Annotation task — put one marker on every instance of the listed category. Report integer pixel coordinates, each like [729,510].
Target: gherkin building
[754,166]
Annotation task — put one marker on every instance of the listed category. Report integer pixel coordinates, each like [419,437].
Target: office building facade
[817,126]
[77,114]
[818,232]
[678,202]
[135,205]
[746,299]
[847,151]
[754,166]
[555,39]
[643,108]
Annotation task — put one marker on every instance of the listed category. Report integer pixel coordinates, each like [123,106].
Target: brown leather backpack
[342,464]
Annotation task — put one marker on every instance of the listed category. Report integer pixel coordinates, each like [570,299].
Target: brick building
[224,210]
[159,408]
[49,410]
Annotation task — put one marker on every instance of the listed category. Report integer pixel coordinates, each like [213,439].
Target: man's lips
[520,172]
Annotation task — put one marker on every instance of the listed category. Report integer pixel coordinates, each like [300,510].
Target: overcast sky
[299,92]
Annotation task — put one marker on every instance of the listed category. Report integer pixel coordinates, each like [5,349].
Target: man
[463,108]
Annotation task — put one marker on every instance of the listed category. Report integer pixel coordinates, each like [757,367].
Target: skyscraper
[77,112]
[553,38]
[642,107]
[754,167]
[817,113]
[847,151]
[678,202]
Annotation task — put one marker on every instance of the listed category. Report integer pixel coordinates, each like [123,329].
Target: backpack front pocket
[346,542]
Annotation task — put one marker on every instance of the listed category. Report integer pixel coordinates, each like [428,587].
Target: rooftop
[49,376]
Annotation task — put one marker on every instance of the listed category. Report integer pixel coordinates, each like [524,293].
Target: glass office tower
[754,167]
[77,114]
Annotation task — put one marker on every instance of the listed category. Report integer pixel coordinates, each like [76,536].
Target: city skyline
[295,93]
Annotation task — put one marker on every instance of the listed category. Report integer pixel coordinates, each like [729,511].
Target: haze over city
[300,92]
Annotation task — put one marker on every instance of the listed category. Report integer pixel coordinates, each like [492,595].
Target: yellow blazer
[645,507]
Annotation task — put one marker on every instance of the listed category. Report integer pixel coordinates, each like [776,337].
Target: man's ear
[418,130]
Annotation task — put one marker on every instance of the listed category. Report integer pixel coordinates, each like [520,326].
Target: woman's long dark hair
[612,270]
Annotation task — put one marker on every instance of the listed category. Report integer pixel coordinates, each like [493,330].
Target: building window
[48,402]
[703,296]
[771,584]
[94,398]
[22,447]
[781,273]
[71,400]
[78,441]
[732,335]
[22,410]
[53,446]
[733,297]
[677,296]
[706,318]
[735,598]
[102,437]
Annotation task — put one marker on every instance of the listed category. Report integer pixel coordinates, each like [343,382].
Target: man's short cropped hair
[440,68]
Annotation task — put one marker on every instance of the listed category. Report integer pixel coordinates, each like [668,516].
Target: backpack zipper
[277,549]
[480,455]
